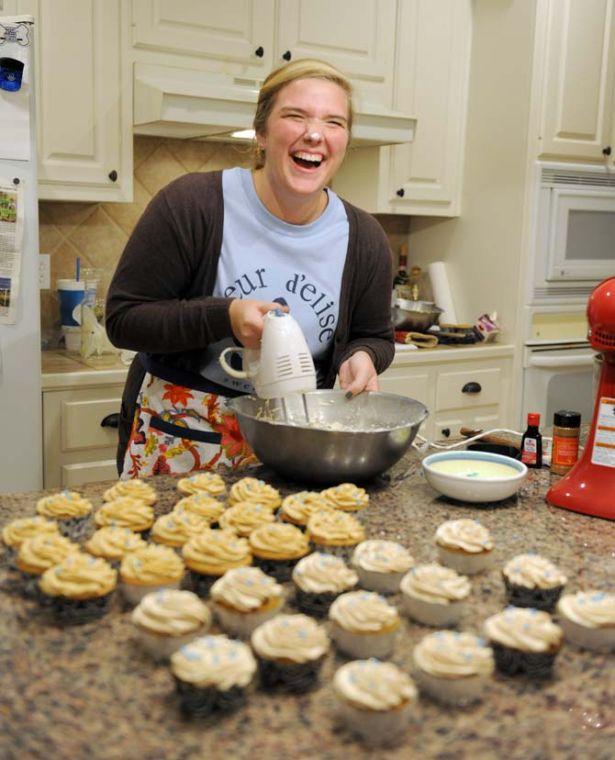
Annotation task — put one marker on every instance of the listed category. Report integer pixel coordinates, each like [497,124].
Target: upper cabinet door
[230,32]
[83,113]
[578,79]
[358,38]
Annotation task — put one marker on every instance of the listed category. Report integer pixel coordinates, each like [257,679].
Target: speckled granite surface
[89,692]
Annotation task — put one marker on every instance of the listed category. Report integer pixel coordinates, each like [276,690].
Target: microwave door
[581,236]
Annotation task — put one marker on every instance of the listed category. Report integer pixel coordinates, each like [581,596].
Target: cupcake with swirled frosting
[176,528]
[79,588]
[434,595]
[136,489]
[113,544]
[533,581]
[255,490]
[346,496]
[201,504]
[276,549]
[299,507]
[244,598]
[71,511]
[17,531]
[169,619]
[464,545]
[376,700]
[244,517]
[364,624]
[212,674]
[209,555]
[525,641]
[290,650]
[319,579]
[335,532]
[452,667]
[381,565]
[38,554]
[588,619]
[150,569]
[209,483]
[125,512]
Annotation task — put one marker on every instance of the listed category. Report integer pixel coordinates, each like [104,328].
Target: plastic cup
[72,338]
[71,294]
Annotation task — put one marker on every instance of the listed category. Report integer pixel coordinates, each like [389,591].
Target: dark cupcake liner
[76,528]
[200,584]
[316,605]
[539,598]
[513,662]
[281,570]
[76,611]
[195,701]
[291,677]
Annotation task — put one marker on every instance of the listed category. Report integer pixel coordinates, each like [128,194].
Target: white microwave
[574,230]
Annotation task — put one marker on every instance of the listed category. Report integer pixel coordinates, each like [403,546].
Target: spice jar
[565,451]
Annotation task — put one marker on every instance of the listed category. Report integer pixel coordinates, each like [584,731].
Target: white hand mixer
[282,368]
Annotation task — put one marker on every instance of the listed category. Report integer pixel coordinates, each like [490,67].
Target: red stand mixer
[590,486]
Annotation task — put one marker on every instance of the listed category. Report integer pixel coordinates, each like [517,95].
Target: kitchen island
[90,692]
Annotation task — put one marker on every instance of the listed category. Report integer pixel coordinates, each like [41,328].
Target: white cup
[72,338]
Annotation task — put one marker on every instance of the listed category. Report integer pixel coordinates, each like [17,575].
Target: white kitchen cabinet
[84,94]
[432,58]
[246,39]
[78,447]
[575,50]
[461,387]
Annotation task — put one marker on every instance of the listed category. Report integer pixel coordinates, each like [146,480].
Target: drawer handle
[111,420]
[471,388]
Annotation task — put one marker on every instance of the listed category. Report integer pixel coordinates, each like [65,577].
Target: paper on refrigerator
[11,251]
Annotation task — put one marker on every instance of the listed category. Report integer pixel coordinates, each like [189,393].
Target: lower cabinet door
[72,475]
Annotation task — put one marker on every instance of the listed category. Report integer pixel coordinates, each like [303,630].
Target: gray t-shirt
[265,258]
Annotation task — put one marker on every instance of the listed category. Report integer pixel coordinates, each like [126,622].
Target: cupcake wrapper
[316,605]
[538,598]
[280,569]
[76,528]
[432,614]
[595,639]
[160,648]
[295,677]
[362,646]
[201,584]
[513,662]
[376,728]
[241,624]
[451,691]
[467,564]
[77,611]
[133,593]
[382,583]
[195,701]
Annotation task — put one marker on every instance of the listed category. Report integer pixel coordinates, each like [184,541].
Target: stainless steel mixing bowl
[416,316]
[341,439]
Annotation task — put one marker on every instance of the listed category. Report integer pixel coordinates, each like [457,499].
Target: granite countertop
[89,691]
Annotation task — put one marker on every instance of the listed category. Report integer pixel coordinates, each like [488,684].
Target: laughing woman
[211,253]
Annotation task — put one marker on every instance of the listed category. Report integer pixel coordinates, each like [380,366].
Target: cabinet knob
[287,55]
[401,192]
[606,151]
[446,432]
[471,388]
[113,175]
[259,52]
[111,420]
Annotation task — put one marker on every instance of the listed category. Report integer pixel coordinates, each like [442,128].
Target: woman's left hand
[358,374]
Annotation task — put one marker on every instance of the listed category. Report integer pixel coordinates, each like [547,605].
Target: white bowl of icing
[474,476]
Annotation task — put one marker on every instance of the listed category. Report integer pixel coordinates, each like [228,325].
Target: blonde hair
[303,68]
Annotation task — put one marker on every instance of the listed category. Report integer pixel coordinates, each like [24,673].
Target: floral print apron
[177,429]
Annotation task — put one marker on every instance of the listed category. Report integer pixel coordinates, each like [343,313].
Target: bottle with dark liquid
[531,443]
[401,279]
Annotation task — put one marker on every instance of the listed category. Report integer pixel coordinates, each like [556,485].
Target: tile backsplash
[97,232]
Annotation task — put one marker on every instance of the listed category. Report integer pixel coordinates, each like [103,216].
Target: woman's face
[306,137]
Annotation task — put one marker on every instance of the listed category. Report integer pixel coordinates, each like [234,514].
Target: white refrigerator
[21,458]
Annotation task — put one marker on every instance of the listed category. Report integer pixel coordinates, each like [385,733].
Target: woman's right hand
[247,319]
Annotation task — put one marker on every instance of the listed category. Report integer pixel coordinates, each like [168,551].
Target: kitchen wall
[97,232]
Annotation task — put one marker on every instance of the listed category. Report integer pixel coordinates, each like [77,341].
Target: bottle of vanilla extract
[531,443]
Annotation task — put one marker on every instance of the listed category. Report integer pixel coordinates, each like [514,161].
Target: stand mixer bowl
[340,440]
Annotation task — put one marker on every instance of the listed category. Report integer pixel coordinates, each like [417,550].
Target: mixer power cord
[422,444]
